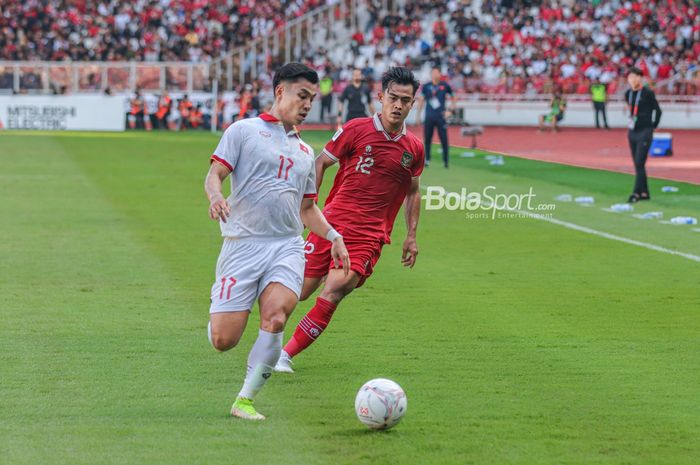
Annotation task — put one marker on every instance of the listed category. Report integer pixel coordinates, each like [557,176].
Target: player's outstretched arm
[219,209]
[314,220]
[412,212]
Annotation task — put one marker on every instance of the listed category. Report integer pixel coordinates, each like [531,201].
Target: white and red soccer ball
[380,403]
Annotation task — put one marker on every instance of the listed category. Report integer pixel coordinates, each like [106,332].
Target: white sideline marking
[595,232]
[613,237]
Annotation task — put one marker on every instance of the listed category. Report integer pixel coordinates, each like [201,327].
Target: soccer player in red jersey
[380,167]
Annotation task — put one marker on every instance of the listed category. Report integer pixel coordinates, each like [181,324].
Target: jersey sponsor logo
[304,149]
[406,159]
[337,134]
[265,134]
[368,149]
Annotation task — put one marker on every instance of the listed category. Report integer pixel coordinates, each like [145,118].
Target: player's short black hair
[399,75]
[293,71]
[635,70]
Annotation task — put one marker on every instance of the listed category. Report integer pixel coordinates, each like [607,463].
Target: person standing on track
[359,99]
[641,103]
[325,86]
[599,96]
[436,114]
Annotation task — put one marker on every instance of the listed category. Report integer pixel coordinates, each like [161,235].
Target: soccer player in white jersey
[273,187]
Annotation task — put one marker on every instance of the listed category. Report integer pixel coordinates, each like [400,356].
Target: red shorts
[364,254]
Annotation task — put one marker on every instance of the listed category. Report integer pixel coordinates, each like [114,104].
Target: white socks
[261,361]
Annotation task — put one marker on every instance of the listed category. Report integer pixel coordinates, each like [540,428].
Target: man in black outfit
[359,99]
[641,102]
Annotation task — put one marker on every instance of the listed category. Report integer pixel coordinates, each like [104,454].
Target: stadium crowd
[488,46]
[516,46]
[142,30]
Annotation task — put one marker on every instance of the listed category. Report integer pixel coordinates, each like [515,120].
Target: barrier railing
[27,77]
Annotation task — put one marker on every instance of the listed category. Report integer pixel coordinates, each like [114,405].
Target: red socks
[311,326]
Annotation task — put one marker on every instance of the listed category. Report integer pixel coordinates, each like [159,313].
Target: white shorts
[246,266]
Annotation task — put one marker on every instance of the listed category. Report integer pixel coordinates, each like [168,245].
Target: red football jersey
[373,179]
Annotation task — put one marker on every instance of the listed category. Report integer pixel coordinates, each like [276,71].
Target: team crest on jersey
[406,159]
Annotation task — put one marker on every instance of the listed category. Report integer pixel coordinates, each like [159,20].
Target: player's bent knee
[223,343]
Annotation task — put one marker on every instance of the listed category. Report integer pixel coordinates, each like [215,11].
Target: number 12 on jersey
[364,164]
[289,162]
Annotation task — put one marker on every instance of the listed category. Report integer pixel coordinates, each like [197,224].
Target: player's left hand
[340,255]
[219,209]
[410,251]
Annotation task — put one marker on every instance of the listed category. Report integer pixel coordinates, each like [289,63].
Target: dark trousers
[431,123]
[326,101]
[599,107]
[640,141]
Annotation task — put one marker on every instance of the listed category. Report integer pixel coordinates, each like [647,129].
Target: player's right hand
[219,209]
[340,254]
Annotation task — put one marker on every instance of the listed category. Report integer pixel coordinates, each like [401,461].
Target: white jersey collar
[379,127]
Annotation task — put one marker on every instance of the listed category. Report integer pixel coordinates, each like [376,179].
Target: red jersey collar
[268,118]
[379,127]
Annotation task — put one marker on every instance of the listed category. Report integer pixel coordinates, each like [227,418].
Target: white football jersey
[272,170]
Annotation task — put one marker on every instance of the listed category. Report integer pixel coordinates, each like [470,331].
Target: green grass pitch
[518,341]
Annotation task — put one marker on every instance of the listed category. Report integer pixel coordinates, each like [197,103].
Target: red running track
[589,148]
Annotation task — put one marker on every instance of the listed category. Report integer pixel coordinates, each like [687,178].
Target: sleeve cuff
[222,161]
[329,155]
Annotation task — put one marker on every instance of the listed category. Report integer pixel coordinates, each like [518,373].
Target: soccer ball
[380,403]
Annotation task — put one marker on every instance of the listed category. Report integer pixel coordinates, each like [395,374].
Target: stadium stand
[496,47]
[141,30]
[531,47]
